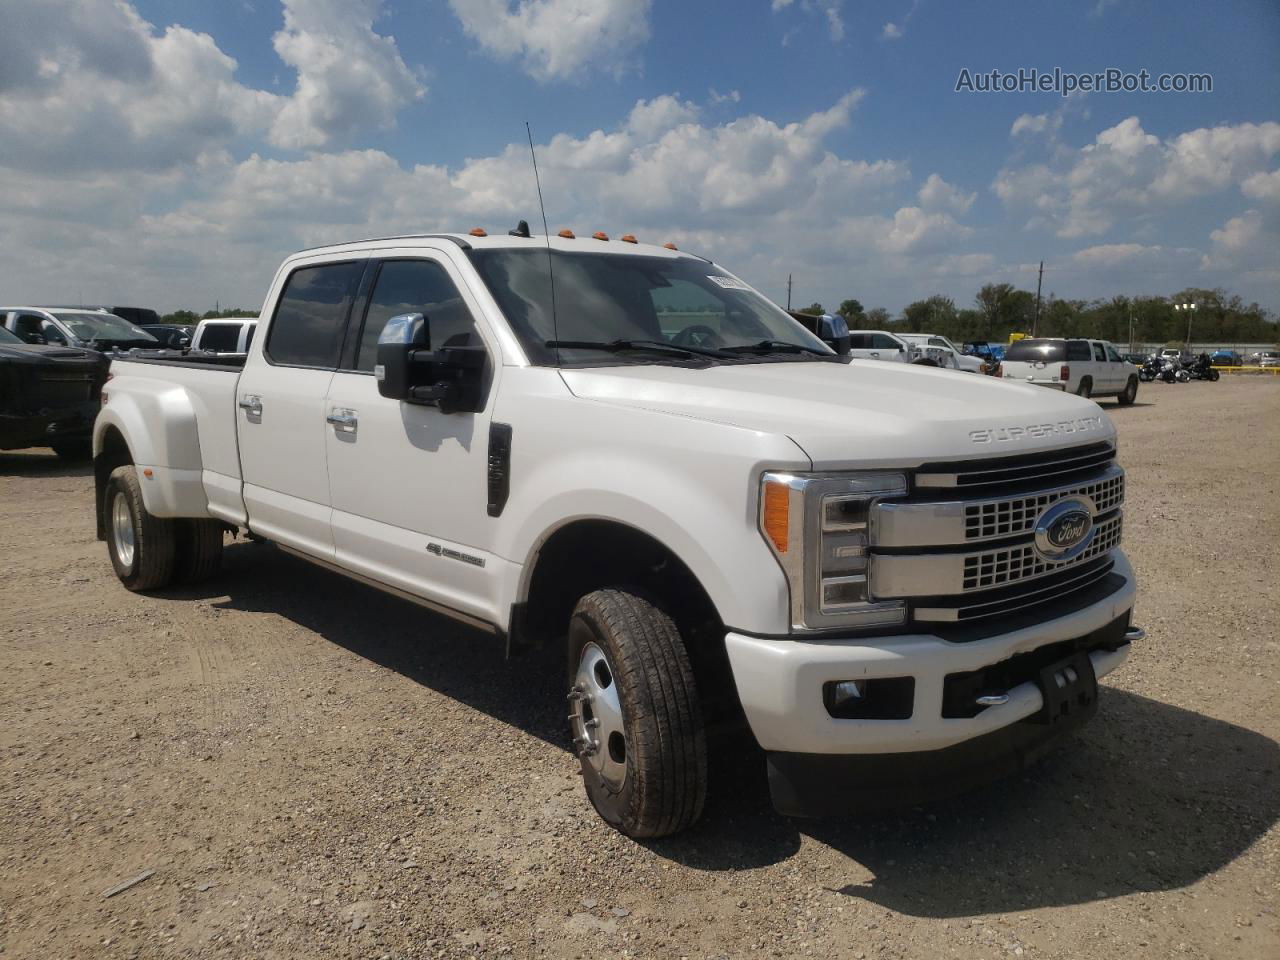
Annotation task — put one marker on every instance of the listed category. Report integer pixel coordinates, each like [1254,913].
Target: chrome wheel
[595,717]
[122,529]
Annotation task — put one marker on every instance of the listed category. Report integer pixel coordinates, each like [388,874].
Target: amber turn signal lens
[777,515]
[478,232]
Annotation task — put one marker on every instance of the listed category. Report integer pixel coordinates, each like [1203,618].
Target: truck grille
[1015,515]
[997,567]
[918,545]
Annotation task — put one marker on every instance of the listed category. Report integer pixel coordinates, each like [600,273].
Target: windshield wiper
[778,346]
[653,346]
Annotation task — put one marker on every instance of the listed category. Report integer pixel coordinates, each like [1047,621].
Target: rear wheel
[1086,388]
[635,715]
[1214,375]
[142,547]
[198,551]
[1130,392]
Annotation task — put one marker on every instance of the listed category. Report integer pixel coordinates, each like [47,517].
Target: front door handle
[252,407]
[343,420]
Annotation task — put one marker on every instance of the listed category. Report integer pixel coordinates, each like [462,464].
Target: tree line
[1000,309]
[191,318]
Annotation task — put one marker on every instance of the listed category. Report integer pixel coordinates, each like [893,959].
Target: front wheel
[142,547]
[1130,392]
[635,716]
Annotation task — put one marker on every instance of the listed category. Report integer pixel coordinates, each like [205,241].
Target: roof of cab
[582,244]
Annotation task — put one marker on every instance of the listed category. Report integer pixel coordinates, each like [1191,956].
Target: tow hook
[1132,633]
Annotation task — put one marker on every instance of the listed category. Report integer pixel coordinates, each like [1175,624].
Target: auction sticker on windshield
[729,283]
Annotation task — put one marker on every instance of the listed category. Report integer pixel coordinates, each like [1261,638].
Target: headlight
[816,525]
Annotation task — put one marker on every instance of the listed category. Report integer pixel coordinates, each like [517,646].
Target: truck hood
[862,414]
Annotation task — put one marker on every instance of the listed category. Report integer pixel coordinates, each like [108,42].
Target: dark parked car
[49,395]
[175,336]
[1226,358]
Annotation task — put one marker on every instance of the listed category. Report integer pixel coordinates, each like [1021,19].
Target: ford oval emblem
[1065,529]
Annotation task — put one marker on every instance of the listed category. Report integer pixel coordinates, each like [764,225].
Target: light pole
[1190,310]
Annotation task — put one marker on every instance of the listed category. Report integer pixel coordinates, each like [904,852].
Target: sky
[170,153]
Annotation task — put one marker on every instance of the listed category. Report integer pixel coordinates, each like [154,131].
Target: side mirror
[408,370]
[834,332]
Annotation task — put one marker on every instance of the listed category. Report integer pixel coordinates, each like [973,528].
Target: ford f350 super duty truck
[905,581]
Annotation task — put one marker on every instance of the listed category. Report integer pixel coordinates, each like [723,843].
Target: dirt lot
[313,769]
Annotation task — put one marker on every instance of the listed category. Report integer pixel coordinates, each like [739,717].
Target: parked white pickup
[1088,368]
[661,470]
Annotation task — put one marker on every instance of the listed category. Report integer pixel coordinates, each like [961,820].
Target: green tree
[814,308]
[852,311]
[878,319]
[936,314]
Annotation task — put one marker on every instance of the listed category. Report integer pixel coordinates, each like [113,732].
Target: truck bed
[188,405]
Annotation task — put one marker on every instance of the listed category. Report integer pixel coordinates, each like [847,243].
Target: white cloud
[831,10]
[1263,186]
[891,31]
[1035,123]
[936,193]
[90,85]
[1247,246]
[558,39]
[717,98]
[349,77]
[1128,172]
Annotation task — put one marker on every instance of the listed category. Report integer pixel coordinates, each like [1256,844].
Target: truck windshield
[102,326]
[612,299]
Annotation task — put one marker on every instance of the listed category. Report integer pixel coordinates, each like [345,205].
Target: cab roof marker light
[478,232]
[629,238]
[600,235]
[670,246]
[567,234]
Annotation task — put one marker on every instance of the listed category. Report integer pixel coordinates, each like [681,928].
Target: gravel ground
[313,769]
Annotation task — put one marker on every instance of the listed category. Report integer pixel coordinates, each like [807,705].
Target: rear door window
[1078,350]
[312,314]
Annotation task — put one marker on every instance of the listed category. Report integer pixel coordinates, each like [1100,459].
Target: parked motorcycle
[1202,369]
[1149,369]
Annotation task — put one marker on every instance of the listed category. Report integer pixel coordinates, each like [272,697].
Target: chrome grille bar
[895,576]
[1026,595]
[998,470]
[896,524]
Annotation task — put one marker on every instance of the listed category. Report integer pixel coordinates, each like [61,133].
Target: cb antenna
[546,234]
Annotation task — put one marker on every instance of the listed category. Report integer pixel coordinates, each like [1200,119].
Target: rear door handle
[252,407]
[343,420]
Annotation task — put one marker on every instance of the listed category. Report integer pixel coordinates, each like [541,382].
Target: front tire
[1130,393]
[635,715]
[142,547]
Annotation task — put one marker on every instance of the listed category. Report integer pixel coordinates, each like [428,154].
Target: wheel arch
[111,450]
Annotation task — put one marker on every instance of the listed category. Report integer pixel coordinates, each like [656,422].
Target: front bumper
[18,431]
[780,684]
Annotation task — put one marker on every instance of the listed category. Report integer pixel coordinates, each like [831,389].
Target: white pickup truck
[904,581]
